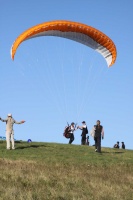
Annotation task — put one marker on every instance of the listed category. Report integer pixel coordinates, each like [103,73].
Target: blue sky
[53,80]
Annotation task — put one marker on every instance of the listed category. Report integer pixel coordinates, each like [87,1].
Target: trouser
[98,144]
[83,140]
[71,138]
[9,137]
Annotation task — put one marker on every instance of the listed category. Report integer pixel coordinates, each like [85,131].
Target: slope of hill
[41,171]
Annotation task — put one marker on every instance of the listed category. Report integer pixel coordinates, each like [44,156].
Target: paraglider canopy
[78,32]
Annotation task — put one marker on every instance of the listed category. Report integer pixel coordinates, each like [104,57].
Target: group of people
[97,132]
[73,128]
[117,145]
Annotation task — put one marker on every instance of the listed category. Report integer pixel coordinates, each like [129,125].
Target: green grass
[41,171]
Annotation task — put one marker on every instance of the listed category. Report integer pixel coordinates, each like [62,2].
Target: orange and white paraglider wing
[82,33]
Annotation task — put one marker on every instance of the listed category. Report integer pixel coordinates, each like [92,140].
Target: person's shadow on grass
[31,146]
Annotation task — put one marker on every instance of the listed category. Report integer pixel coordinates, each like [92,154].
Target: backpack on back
[67,133]
[86,130]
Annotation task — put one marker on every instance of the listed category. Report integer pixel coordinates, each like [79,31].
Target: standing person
[123,145]
[9,129]
[84,132]
[92,132]
[71,131]
[99,132]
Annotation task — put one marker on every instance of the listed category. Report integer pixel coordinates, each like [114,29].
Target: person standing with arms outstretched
[99,133]
[9,130]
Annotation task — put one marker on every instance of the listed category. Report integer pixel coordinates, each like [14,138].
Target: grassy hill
[49,171]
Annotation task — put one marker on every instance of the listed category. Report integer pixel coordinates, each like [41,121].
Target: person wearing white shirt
[9,129]
[71,131]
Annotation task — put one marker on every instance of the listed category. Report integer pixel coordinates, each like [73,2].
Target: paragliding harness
[67,131]
[86,130]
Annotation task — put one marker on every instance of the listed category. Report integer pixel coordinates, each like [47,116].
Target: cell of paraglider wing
[79,32]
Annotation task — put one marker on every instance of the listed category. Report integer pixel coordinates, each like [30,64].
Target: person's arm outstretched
[3,120]
[21,122]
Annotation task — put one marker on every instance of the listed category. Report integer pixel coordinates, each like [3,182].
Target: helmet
[9,115]
[72,123]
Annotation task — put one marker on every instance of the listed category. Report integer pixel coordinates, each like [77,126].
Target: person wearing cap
[99,132]
[9,129]
[71,131]
[84,132]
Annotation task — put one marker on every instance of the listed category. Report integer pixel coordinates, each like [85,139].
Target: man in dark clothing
[84,132]
[99,132]
[123,145]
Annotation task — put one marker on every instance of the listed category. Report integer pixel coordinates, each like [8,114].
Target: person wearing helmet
[9,129]
[72,129]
